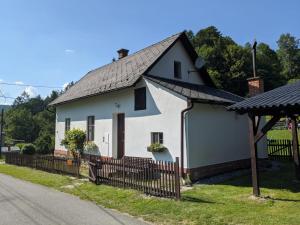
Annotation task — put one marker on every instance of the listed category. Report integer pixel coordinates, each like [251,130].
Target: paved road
[24,203]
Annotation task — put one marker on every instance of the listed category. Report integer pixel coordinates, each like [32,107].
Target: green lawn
[226,203]
[281,134]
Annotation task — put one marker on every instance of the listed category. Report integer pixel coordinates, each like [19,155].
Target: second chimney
[122,53]
[255,85]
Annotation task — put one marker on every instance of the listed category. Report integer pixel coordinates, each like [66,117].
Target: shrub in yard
[20,145]
[28,149]
[91,148]
[74,141]
[156,147]
[44,144]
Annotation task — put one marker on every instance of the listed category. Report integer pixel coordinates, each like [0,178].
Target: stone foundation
[211,170]
[61,153]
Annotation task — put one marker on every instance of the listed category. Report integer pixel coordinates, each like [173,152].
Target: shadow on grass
[282,178]
[283,199]
[194,199]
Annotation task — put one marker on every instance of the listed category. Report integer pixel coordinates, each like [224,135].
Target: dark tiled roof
[201,93]
[282,97]
[117,75]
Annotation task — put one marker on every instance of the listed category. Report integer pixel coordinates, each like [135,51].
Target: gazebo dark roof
[285,99]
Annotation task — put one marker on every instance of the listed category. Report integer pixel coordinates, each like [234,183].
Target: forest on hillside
[229,64]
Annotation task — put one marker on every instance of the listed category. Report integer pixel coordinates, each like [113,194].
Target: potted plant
[156,147]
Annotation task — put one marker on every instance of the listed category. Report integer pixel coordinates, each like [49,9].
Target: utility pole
[1,132]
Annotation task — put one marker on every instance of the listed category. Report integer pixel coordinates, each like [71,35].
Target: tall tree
[268,67]
[19,125]
[227,63]
[289,56]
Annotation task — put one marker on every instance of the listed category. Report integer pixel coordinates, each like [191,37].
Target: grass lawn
[281,134]
[226,203]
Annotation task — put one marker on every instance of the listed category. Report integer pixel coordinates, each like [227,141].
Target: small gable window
[90,128]
[157,138]
[177,69]
[67,124]
[140,98]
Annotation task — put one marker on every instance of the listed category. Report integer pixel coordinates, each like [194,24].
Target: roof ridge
[134,53]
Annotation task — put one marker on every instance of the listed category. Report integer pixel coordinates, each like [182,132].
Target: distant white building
[157,95]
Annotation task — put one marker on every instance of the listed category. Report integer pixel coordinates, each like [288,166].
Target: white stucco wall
[162,114]
[165,67]
[215,136]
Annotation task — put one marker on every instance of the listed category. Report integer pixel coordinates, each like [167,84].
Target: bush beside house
[74,142]
[28,149]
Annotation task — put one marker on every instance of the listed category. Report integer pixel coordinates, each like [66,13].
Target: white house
[157,95]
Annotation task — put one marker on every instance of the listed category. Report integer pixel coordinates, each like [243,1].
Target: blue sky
[53,42]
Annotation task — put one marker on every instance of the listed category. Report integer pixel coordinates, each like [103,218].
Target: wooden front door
[121,135]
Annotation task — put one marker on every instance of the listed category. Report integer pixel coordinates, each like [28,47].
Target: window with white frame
[67,124]
[90,128]
[157,138]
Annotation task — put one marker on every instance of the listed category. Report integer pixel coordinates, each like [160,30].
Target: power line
[5,97]
[26,85]
[2,96]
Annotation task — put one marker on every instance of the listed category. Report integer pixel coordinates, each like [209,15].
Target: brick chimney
[123,53]
[255,86]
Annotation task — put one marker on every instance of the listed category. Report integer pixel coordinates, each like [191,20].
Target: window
[90,128]
[177,69]
[157,137]
[140,98]
[67,124]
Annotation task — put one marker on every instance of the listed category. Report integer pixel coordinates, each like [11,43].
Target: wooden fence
[280,149]
[158,178]
[44,162]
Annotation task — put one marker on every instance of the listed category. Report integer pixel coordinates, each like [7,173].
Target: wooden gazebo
[280,102]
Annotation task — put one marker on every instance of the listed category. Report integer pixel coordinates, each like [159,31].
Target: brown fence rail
[158,178]
[46,163]
[280,149]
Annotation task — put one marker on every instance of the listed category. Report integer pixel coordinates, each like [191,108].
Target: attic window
[177,69]
[140,99]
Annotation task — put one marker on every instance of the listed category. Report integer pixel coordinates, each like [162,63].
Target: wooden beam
[266,128]
[257,122]
[253,150]
[295,145]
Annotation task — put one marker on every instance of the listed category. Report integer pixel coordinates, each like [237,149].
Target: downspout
[190,105]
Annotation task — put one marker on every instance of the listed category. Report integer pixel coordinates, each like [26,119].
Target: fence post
[123,171]
[78,162]
[290,150]
[35,161]
[177,182]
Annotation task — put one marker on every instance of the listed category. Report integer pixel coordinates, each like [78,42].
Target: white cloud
[31,91]
[19,82]
[65,85]
[69,51]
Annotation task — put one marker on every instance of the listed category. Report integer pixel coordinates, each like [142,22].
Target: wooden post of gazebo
[295,146]
[280,102]
[253,151]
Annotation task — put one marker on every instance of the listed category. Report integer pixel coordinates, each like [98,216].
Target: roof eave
[88,96]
